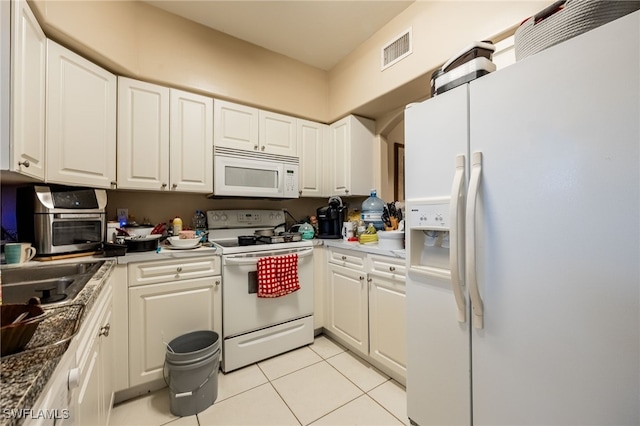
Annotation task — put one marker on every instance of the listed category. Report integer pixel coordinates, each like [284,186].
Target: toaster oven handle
[77,216]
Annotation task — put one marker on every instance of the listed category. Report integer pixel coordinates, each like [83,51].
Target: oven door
[65,233]
[243,311]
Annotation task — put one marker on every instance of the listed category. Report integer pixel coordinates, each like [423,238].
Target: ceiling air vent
[396,50]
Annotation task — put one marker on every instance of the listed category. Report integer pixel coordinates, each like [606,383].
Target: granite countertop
[25,375]
[166,252]
[366,248]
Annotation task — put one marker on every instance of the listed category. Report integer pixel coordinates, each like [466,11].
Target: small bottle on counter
[177,226]
[199,222]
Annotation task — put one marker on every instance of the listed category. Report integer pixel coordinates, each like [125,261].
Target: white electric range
[256,328]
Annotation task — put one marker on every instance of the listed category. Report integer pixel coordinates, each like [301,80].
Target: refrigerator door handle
[474,293]
[456,236]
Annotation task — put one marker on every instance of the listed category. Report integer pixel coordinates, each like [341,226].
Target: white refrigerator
[523,240]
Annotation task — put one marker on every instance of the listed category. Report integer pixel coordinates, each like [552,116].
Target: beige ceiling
[317,32]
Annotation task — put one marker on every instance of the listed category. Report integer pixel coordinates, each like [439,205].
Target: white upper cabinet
[28,88]
[351,153]
[81,120]
[143,135]
[165,138]
[277,134]
[191,147]
[251,129]
[235,126]
[312,149]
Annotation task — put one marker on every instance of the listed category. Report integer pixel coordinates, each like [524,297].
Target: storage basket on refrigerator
[565,19]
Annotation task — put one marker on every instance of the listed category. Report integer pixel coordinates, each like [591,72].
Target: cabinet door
[28,78]
[235,126]
[191,163]
[340,175]
[107,383]
[143,135]
[89,399]
[347,313]
[311,149]
[95,361]
[319,285]
[159,313]
[387,323]
[277,134]
[81,120]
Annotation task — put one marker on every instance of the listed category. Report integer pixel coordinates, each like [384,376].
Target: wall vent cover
[396,50]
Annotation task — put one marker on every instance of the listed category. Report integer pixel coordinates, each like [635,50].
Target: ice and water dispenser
[434,249]
[429,228]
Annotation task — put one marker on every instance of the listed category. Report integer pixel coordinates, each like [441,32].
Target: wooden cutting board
[66,256]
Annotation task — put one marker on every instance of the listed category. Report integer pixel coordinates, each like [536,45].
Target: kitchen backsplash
[161,207]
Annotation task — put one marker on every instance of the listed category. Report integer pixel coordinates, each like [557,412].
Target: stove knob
[224,217]
[216,218]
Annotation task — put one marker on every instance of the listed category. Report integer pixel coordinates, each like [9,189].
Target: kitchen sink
[53,284]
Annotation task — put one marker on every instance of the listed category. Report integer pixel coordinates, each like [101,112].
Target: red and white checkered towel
[278,275]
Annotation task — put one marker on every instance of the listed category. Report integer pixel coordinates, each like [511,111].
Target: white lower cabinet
[365,307]
[95,357]
[387,322]
[320,278]
[168,299]
[348,312]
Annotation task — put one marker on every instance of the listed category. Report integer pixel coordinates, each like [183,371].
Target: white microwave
[254,174]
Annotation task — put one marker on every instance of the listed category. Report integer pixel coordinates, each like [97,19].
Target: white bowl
[391,240]
[184,242]
[139,231]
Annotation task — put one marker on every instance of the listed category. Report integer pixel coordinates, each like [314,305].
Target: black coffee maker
[330,219]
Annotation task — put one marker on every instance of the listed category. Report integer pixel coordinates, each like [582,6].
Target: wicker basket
[14,337]
[566,19]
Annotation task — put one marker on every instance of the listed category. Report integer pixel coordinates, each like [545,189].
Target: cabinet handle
[179,269]
[174,186]
[344,257]
[262,148]
[217,283]
[104,331]
[392,268]
[299,192]
[25,163]
[164,185]
[114,185]
[346,191]
[255,147]
[361,278]
[369,279]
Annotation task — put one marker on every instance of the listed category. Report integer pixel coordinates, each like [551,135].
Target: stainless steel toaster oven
[60,220]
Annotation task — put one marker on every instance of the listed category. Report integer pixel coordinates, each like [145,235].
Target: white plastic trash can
[192,361]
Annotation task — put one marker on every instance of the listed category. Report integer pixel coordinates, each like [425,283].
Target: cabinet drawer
[173,270]
[388,266]
[349,258]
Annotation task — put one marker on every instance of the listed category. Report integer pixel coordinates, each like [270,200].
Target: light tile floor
[319,384]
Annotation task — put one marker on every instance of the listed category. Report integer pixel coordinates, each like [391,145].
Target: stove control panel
[220,219]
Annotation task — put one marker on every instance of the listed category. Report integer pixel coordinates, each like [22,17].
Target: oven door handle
[254,259]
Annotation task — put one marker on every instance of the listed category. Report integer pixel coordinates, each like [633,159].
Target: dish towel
[278,275]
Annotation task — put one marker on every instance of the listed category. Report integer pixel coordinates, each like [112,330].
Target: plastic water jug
[372,209]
